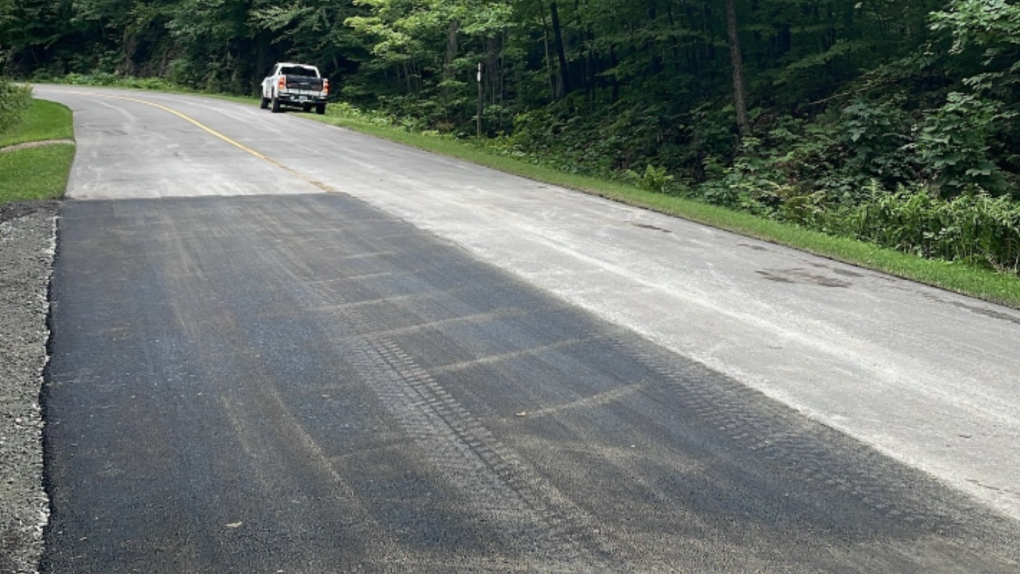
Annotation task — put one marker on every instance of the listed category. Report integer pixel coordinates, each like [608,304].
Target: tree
[563,79]
[737,62]
[839,90]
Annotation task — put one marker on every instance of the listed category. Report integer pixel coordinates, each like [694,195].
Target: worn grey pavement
[331,379]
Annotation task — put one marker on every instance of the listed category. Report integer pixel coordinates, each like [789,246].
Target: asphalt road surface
[354,357]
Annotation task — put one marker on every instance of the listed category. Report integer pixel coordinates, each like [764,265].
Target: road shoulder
[27,242]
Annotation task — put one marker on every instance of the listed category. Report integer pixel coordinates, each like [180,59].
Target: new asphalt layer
[438,368]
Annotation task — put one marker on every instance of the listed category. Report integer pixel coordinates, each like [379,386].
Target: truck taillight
[325,87]
[283,82]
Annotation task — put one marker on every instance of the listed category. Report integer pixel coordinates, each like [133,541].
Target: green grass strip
[36,173]
[43,121]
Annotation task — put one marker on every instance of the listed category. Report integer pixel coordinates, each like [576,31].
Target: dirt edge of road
[31,145]
[27,250]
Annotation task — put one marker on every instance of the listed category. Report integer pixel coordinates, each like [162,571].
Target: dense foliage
[14,100]
[841,115]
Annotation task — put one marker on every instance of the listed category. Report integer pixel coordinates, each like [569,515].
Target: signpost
[481,99]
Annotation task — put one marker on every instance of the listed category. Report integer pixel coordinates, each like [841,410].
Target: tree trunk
[563,88]
[739,89]
[129,43]
[614,80]
[548,52]
[452,49]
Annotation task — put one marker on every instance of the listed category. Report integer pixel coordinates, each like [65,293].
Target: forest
[890,121]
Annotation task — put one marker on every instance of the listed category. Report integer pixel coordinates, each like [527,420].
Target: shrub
[973,227]
[655,179]
[953,144]
[14,100]
[103,79]
[350,112]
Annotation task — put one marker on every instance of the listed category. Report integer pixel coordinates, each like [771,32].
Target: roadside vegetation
[32,165]
[14,102]
[879,133]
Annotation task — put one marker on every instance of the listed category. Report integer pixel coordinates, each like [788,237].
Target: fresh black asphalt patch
[305,384]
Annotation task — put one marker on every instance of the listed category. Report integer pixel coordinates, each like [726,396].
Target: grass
[34,174]
[957,277]
[43,121]
[41,172]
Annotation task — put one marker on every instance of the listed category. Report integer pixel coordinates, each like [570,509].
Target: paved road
[338,382]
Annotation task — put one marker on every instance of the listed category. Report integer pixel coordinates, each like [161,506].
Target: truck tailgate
[304,85]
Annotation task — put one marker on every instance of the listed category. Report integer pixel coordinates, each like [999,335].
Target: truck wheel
[320,109]
[306,108]
[276,105]
[265,103]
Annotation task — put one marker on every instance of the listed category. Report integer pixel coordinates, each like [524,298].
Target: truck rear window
[298,71]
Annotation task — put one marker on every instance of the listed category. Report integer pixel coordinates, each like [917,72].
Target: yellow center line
[238,145]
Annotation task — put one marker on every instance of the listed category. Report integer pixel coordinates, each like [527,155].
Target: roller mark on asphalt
[324,187]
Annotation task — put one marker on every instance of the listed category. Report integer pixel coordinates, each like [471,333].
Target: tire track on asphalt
[330,381]
[774,433]
[195,306]
[537,522]
[496,483]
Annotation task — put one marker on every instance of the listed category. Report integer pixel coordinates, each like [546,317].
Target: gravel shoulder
[27,246]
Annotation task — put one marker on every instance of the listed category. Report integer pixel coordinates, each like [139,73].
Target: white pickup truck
[295,85]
